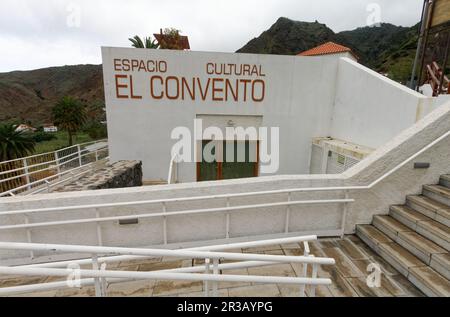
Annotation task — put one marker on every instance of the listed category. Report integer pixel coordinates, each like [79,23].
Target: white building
[149,93]
[50,128]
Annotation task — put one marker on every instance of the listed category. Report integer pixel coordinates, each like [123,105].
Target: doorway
[242,161]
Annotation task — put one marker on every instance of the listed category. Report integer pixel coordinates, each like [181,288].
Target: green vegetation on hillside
[61,141]
[387,49]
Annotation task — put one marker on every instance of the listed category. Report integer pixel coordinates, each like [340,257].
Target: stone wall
[112,175]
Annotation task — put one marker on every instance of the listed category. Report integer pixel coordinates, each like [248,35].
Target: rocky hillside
[30,95]
[389,49]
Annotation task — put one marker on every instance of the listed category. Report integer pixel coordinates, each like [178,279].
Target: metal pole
[228,220]
[27,175]
[430,10]
[215,272]
[444,64]
[164,224]
[98,287]
[205,283]
[288,215]
[419,44]
[314,275]
[79,155]
[58,168]
[305,268]
[344,215]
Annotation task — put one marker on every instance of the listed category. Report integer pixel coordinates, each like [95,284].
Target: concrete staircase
[415,238]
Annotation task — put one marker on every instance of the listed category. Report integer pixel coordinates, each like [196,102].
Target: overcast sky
[42,33]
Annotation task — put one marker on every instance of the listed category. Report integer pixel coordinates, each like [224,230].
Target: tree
[146,43]
[69,115]
[15,144]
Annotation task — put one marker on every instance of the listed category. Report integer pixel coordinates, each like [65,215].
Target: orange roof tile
[326,49]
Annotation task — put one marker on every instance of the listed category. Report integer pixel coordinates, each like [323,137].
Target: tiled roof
[326,49]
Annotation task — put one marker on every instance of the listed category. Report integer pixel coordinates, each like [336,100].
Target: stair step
[436,232]
[423,277]
[438,193]
[441,264]
[407,216]
[372,236]
[421,247]
[389,226]
[445,181]
[429,281]
[430,208]
[430,229]
[399,258]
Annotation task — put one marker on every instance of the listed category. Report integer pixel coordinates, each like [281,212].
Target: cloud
[44,33]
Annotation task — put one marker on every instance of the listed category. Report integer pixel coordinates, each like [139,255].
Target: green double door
[244,163]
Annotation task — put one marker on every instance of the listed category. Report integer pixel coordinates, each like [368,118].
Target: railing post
[344,215]
[48,185]
[288,215]
[314,275]
[27,221]
[306,252]
[27,175]
[206,283]
[58,168]
[228,219]
[215,285]
[98,285]
[164,224]
[99,229]
[96,155]
[79,155]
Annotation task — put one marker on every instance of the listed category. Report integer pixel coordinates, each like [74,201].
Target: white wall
[140,129]
[371,109]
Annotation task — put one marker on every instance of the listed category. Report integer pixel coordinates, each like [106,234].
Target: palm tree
[14,144]
[70,115]
[146,43]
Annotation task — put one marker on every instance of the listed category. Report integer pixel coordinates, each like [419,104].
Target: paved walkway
[348,276]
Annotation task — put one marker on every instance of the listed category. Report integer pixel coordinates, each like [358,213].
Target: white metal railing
[98,277]
[228,209]
[173,170]
[30,172]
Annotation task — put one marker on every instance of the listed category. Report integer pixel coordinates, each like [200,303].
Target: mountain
[30,95]
[388,48]
[289,37]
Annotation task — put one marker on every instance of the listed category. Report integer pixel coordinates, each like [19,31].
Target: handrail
[168,276]
[220,247]
[61,163]
[173,213]
[60,150]
[163,253]
[195,269]
[47,179]
[49,162]
[98,276]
